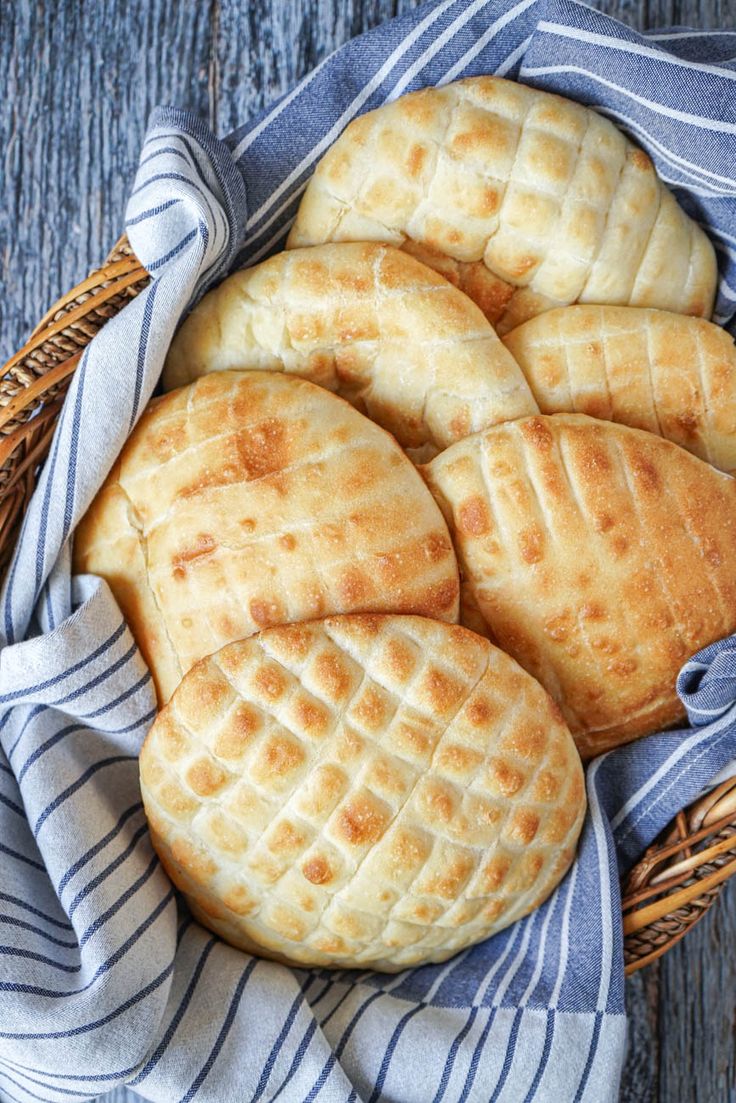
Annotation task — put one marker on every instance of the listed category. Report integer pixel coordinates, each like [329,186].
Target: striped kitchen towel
[105,980]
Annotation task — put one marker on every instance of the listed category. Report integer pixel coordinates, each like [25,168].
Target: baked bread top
[600,557]
[255,498]
[369,322]
[666,373]
[547,195]
[362,791]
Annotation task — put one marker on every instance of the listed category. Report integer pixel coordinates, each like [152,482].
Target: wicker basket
[680,875]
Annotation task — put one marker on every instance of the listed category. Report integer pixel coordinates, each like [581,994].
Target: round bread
[536,201]
[666,373]
[362,791]
[369,322]
[254,498]
[600,557]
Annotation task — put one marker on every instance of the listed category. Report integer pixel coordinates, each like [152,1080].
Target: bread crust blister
[362,791]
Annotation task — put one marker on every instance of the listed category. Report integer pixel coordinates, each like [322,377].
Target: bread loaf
[362,791]
[254,498]
[537,201]
[370,323]
[600,557]
[650,369]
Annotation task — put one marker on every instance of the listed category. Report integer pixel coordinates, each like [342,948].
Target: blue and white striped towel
[103,981]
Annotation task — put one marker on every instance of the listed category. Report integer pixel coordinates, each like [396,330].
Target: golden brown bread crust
[255,498]
[370,323]
[369,791]
[546,195]
[601,557]
[650,369]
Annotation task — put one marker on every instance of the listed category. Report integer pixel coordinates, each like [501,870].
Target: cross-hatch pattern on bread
[546,195]
[667,373]
[362,791]
[251,499]
[601,557]
[372,324]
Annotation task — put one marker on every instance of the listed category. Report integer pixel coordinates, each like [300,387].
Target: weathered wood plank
[79,82]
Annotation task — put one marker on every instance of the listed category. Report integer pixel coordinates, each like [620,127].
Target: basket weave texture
[680,875]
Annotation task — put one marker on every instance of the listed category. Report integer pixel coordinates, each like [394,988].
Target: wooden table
[78,80]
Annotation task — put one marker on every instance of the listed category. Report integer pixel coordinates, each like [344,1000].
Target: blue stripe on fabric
[71,472]
[388,1055]
[175,176]
[7,898]
[160,153]
[124,696]
[33,955]
[120,953]
[222,1036]
[35,711]
[296,1062]
[452,1055]
[23,1088]
[62,1091]
[161,261]
[591,1055]
[142,350]
[13,921]
[152,212]
[345,1037]
[43,523]
[93,851]
[70,790]
[38,687]
[75,1031]
[270,1061]
[121,901]
[46,746]
[475,1060]
[531,1095]
[96,881]
[12,806]
[510,1047]
[22,858]
[178,1016]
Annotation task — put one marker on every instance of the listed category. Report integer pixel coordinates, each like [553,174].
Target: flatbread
[600,557]
[547,196]
[650,369]
[363,791]
[253,498]
[369,322]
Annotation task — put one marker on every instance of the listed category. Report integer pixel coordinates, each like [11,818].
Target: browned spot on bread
[646,473]
[401,659]
[238,732]
[640,160]
[473,517]
[311,716]
[205,777]
[479,711]
[332,675]
[288,541]
[354,586]
[523,825]
[531,543]
[454,758]
[175,800]
[416,160]
[204,545]
[363,819]
[455,873]
[372,708]
[277,759]
[438,799]
[505,777]
[410,849]
[265,613]
[536,434]
[436,547]
[193,860]
[317,870]
[239,900]
[443,691]
[271,681]
[263,449]
[495,872]
[438,599]
[285,838]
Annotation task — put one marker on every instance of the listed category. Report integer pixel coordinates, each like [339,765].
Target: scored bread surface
[370,323]
[547,196]
[368,791]
[667,373]
[600,557]
[254,498]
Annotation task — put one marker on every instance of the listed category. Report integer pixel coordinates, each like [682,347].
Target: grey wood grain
[78,79]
